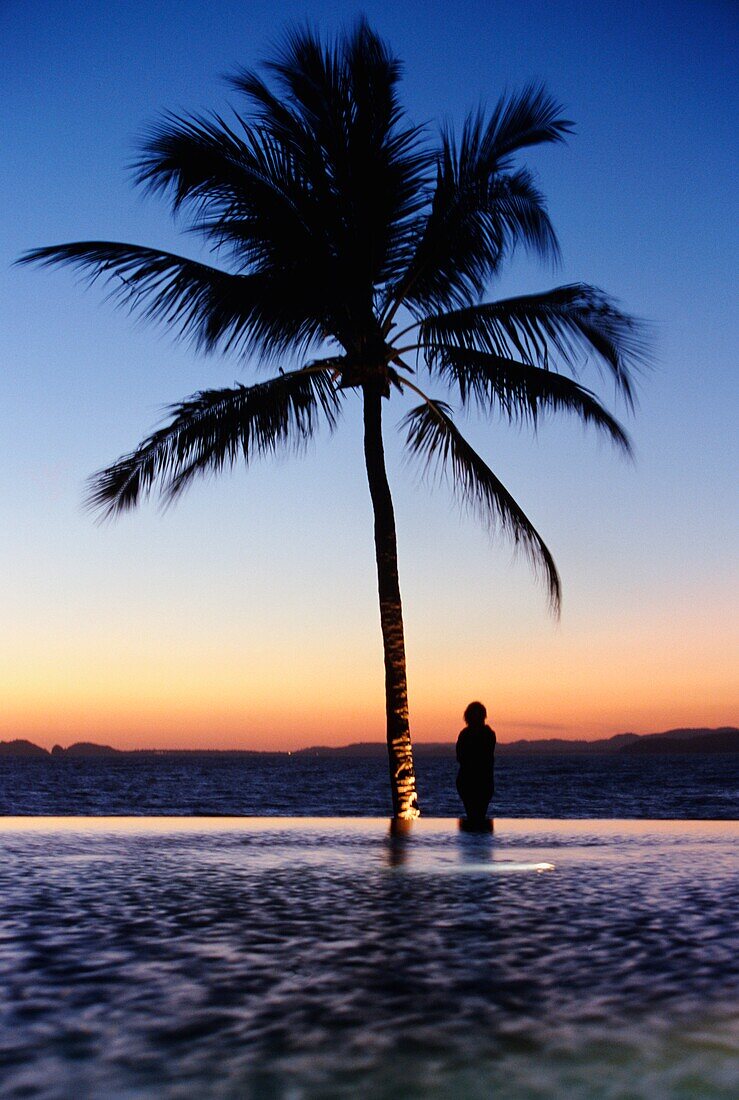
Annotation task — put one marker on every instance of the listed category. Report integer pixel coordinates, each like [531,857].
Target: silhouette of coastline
[85,750]
[89,750]
[720,739]
[678,741]
[23,749]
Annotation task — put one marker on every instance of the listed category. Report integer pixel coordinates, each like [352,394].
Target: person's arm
[460,747]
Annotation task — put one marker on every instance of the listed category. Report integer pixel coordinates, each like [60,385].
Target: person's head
[475,714]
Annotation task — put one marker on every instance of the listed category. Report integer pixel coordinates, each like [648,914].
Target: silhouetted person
[476,759]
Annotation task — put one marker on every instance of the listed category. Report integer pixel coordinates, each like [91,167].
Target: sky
[246,616]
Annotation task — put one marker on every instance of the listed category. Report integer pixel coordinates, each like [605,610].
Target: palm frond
[206,160]
[561,328]
[434,438]
[206,304]
[530,117]
[339,115]
[519,209]
[323,181]
[244,189]
[481,209]
[213,429]
[521,391]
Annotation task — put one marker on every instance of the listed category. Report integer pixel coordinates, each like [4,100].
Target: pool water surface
[303,958]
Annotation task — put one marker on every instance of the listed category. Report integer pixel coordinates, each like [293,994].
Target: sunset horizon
[507,733]
[246,615]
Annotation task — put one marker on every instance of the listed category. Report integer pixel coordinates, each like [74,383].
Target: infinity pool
[303,958]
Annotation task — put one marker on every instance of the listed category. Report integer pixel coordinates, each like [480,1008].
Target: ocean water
[681,786]
[320,959]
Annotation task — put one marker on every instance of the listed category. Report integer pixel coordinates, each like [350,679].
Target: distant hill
[364,748]
[558,746]
[723,739]
[26,749]
[677,740]
[688,734]
[85,749]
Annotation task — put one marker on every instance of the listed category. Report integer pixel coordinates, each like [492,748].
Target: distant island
[723,739]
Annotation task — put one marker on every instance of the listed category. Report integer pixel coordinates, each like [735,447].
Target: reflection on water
[300,959]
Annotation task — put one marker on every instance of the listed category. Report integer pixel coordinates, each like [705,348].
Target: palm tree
[356,249]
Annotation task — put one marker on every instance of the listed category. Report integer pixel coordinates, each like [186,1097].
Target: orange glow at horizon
[322,683]
[253,716]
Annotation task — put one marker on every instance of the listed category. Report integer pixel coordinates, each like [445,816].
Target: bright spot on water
[496,867]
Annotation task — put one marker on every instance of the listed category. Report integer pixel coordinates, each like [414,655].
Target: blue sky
[248,614]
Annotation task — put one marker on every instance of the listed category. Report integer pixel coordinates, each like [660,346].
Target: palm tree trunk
[400,752]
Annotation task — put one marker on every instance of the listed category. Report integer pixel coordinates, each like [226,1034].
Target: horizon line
[316,747]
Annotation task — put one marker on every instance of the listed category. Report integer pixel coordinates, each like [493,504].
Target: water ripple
[296,963]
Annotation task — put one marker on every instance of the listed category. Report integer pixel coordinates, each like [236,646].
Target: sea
[689,786]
